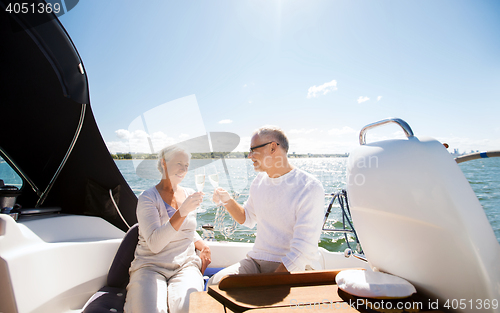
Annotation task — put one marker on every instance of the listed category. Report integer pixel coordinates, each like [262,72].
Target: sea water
[484,177]
[237,174]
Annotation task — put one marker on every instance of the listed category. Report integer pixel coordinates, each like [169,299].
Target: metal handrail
[338,230]
[341,196]
[78,130]
[406,128]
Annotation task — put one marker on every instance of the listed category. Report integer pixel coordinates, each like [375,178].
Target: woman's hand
[206,258]
[191,203]
[205,254]
[221,195]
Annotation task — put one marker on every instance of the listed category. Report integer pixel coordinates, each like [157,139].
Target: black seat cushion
[118,275]
[111,297]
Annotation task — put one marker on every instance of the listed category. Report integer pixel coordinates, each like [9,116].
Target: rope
[219,219]
[221,210]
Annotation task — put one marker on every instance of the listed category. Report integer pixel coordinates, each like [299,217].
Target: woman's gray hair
[273,133]
[167,154]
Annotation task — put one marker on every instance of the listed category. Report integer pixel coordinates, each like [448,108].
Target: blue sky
[321,70]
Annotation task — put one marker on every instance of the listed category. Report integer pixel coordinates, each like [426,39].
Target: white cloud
[159,135]
[137,141]
[118,146]
[227,121]
[341,131]
[306,144]
[325,88]
[245,85]
[318,140]
[122,133]
[125,134]
[244,144]
[314,140]
[379,97]
[302,131]
[363,99]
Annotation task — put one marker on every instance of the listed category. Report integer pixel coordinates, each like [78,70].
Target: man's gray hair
[273,133]
[167,154]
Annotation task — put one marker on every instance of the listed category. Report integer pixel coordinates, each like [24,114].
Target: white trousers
[245,266]
[152,292]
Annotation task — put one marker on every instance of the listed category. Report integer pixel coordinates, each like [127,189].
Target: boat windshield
[9,176]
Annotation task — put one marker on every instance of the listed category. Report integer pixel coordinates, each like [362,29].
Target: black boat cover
[45,111]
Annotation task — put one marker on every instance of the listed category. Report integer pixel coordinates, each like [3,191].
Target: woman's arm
[190,204]
[156,234]
[176,220]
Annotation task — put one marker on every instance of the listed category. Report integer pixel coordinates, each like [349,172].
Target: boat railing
[477,155]
[406,128]
[347,226]
[327,195]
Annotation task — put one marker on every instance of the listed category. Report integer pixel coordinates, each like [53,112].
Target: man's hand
[221,195]
[236,210]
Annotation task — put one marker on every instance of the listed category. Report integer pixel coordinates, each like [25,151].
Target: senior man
[286,204]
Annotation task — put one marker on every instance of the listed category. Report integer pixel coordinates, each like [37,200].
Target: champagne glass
[213,178]
[199,181]
[199,178]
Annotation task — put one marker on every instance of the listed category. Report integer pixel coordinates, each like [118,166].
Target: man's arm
[234,208]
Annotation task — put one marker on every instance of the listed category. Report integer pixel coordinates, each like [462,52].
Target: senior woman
[166,268]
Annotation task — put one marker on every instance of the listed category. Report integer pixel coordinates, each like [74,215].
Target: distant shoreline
[232,155]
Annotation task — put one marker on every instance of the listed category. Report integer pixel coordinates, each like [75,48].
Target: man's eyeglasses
[260,146]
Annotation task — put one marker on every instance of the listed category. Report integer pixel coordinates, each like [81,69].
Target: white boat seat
[418,218]
[111,297]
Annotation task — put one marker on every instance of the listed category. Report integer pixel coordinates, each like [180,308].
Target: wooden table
[314,291]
